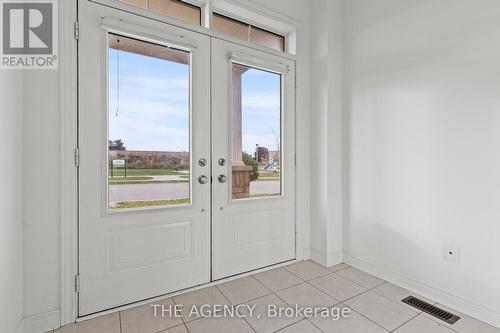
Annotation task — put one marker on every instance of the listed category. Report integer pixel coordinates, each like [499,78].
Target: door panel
[144,123]
[253,128]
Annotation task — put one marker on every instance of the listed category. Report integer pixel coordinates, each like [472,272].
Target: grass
[263,195]
[266,179]
[128,181]
[268,176]
[140,204]
[119,179]
[145,172]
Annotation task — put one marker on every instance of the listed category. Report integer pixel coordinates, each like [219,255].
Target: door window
[148,124]
[256,113]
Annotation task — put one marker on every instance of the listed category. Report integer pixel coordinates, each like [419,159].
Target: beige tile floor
[374,304]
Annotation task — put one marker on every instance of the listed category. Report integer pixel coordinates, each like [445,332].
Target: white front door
[253,151]
[144,126]
[184,178]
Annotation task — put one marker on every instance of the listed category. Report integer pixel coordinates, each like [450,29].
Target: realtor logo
[29,34]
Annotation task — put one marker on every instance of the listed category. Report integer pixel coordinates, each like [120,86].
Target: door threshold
[183,291]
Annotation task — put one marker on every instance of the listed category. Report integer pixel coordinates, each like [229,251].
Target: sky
[151,111]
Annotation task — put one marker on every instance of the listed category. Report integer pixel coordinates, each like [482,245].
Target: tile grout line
[406,322]
[435,320]
[418,312]
[373,288]
[342,302]
[182,318]
[273,293]
[307,319]
[421,314]
[346,278]
[304,318]
[246,321]
[317,277]
[252,299]
[364,292]
[120,320]
[339,302]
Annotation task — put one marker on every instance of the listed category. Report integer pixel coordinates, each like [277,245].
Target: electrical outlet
[451,253]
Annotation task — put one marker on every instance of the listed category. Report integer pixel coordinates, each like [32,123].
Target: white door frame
[69,143]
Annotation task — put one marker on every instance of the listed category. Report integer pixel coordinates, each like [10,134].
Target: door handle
[222,179]
[203,179]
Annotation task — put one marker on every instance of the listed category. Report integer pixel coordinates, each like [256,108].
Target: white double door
[173,128]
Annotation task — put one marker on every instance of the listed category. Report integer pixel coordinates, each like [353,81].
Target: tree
[117,145]
[248,160]
[262,154]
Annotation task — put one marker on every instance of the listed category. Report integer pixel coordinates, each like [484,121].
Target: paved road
[139,192]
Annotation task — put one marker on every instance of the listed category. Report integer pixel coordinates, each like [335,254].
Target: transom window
[193,14]
[247,32]
[174,8]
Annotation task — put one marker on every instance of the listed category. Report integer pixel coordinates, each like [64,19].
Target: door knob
[221,162]
[203,179]
[222,179]
[202,162]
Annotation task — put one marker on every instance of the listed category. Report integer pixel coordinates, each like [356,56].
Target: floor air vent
[434,311]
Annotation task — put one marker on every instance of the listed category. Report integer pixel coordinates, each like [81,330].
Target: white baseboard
[42,323]
[327,259]
[468,307]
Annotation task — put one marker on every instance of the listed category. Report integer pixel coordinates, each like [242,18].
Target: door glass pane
[256,146]
[148,124]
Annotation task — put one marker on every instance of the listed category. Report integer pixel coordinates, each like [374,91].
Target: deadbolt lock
[203,179]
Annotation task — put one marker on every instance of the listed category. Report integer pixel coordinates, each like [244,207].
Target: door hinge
[77,157]
[77,283]
[76,30]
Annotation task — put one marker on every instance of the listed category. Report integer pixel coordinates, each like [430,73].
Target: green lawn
[120,179]
[267,179]
[140,204]
[120,172]
[263,176]
[132,180]
[262,195]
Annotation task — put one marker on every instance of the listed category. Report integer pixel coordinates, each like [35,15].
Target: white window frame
[259,17]
[241,10]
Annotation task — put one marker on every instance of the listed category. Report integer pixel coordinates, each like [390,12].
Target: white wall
[423,99]
[11,200]
[326,167]
[42,170]
[41,192]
